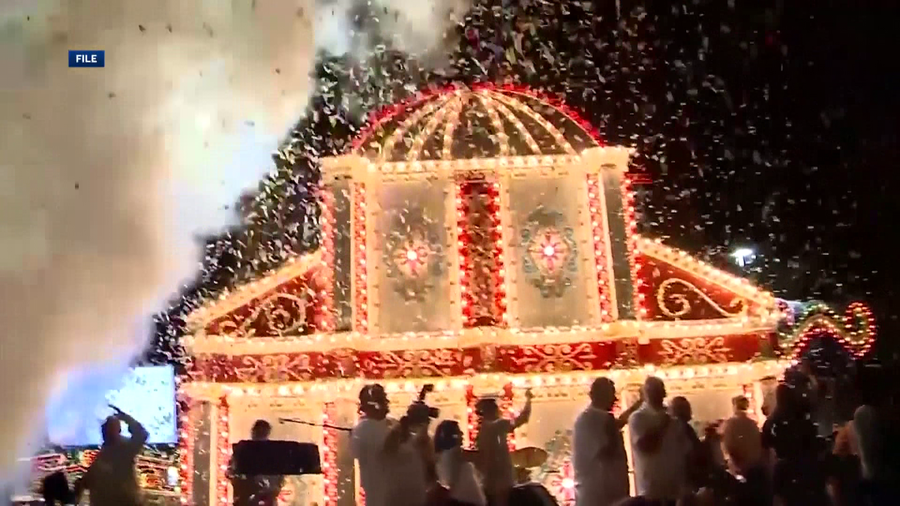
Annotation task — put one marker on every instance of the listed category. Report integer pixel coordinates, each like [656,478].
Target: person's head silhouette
[261,430]
[111,430]
[55,489]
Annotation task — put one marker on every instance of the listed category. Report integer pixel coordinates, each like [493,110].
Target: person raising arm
[660,447]
[493,453]
[111,479]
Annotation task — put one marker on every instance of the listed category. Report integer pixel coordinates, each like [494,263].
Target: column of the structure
[611,191]
[186,431]
[196,454]
[471,433]
[330,471]
[220,485]
[345,414]
[326,317]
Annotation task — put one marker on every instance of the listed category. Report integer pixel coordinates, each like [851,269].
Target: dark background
[761,123]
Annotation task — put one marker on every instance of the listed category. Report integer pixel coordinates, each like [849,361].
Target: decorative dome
[481,123]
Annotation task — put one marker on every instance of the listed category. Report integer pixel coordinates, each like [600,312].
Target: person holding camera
[493,452]
[391,453]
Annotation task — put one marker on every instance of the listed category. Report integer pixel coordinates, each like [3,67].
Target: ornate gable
[287,302]
[675,286]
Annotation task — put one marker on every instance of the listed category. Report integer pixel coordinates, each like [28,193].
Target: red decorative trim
[855,332]
[223,453]
[294,308]
[480,248]
[325,311]
[471,416]
[329,457]
[554,358]
[360,283]
[701,350]
[673,294]
[186,424]
[598,235]
[639,297]
[454,362]
[378,118]
[418,363]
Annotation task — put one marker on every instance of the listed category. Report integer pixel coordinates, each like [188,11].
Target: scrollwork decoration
[278,314]
[694,350]
[677,305]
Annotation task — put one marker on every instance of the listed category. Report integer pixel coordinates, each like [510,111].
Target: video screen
[146,393]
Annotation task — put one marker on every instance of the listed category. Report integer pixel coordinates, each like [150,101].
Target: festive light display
[329,457]
[361,296]
[467,298]
[153,465]
[509,411]
[513,266]
[325,307]
[640,308]
[500,297]
[556,472]
[598,236]
[471,417]
[855,332]
[185,450]
[223,452]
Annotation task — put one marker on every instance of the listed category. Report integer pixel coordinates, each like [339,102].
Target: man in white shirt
[495,462]
[659,446]
[390,467]
[599,459]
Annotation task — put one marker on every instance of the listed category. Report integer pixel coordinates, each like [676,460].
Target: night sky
[760,123]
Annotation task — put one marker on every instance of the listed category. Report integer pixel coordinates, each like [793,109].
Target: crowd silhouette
[790,460]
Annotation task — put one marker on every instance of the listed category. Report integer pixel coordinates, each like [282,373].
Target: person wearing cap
[391,469]
[494,458]
[598,449]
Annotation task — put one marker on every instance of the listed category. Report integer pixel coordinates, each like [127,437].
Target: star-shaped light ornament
[549,251]
[412,258]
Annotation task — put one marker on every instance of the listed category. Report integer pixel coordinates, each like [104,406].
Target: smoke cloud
[107,176]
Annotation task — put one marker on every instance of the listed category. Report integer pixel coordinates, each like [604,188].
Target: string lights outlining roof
[483,122]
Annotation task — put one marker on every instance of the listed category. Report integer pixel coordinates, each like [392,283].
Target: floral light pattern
[413,254]
[550,252]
